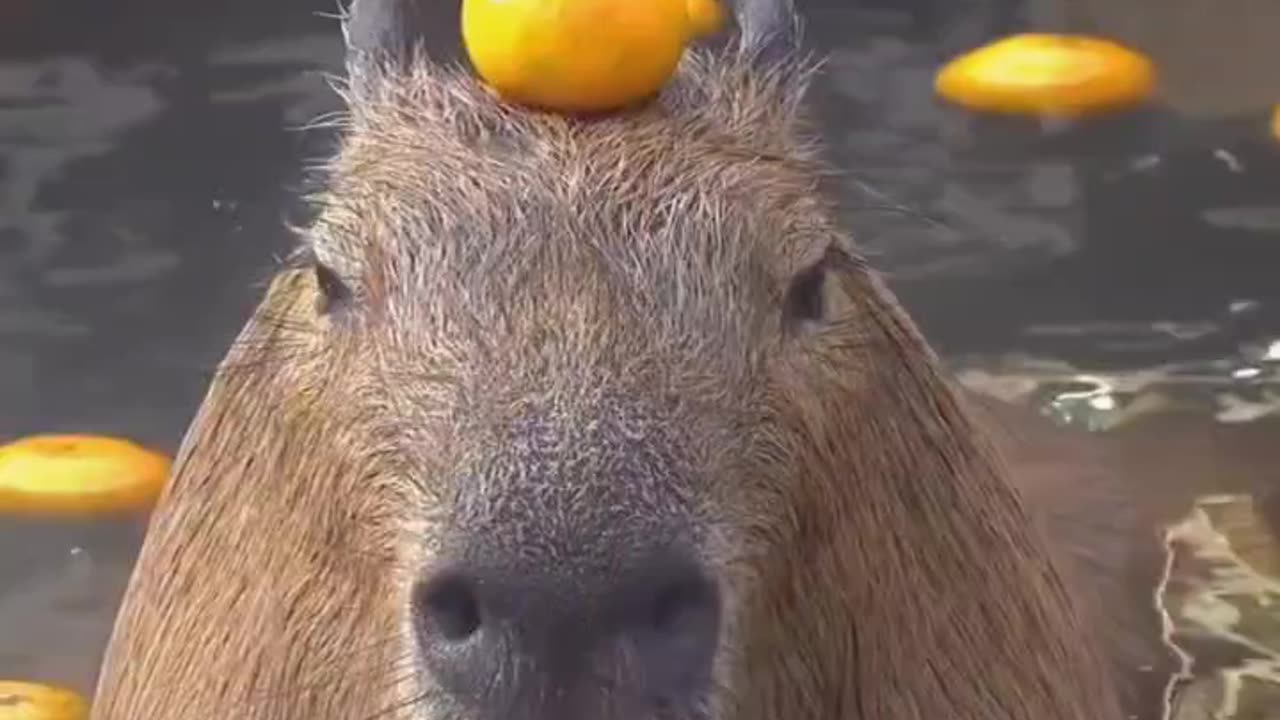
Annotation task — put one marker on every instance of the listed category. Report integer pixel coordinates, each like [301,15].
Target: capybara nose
[491,635]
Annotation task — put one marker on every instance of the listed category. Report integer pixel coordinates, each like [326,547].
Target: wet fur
[605,279]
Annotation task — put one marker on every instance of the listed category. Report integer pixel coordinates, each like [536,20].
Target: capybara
[604,417]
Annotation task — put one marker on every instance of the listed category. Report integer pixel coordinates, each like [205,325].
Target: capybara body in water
[590,418]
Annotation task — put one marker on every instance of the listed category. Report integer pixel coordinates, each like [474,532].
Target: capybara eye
[805,301]
[334,293]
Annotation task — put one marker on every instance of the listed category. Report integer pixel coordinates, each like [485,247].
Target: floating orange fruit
[31,701]
[1048,75]
[582,55]
[79,475]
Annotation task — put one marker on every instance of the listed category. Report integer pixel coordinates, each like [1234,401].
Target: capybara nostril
[448,607]
[672,621]
[676,606]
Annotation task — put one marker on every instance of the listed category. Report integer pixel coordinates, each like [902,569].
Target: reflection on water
[1237,388]
[1222,596]
[1108,275]
[1225,599]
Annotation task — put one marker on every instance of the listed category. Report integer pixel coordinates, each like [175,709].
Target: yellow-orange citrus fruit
[1048,75]
[582,55]
[706,17]
[1275,122]
[79,475]
[31,701]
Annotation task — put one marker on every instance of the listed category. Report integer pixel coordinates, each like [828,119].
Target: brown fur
[625,271]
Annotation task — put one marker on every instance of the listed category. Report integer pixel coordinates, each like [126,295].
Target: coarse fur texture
[551,340]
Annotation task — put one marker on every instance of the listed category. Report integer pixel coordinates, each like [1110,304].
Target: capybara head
[587,419]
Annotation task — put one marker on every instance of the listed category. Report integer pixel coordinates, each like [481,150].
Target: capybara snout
[553,644]
[569,577]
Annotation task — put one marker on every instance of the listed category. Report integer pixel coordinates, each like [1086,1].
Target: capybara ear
[393,31]
[770,29]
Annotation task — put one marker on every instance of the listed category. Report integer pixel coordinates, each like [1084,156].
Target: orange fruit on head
[582,55]
[706,17]
[79,475]
[31,701]
[1048,75]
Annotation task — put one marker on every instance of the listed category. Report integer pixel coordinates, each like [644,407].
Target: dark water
[150,151]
